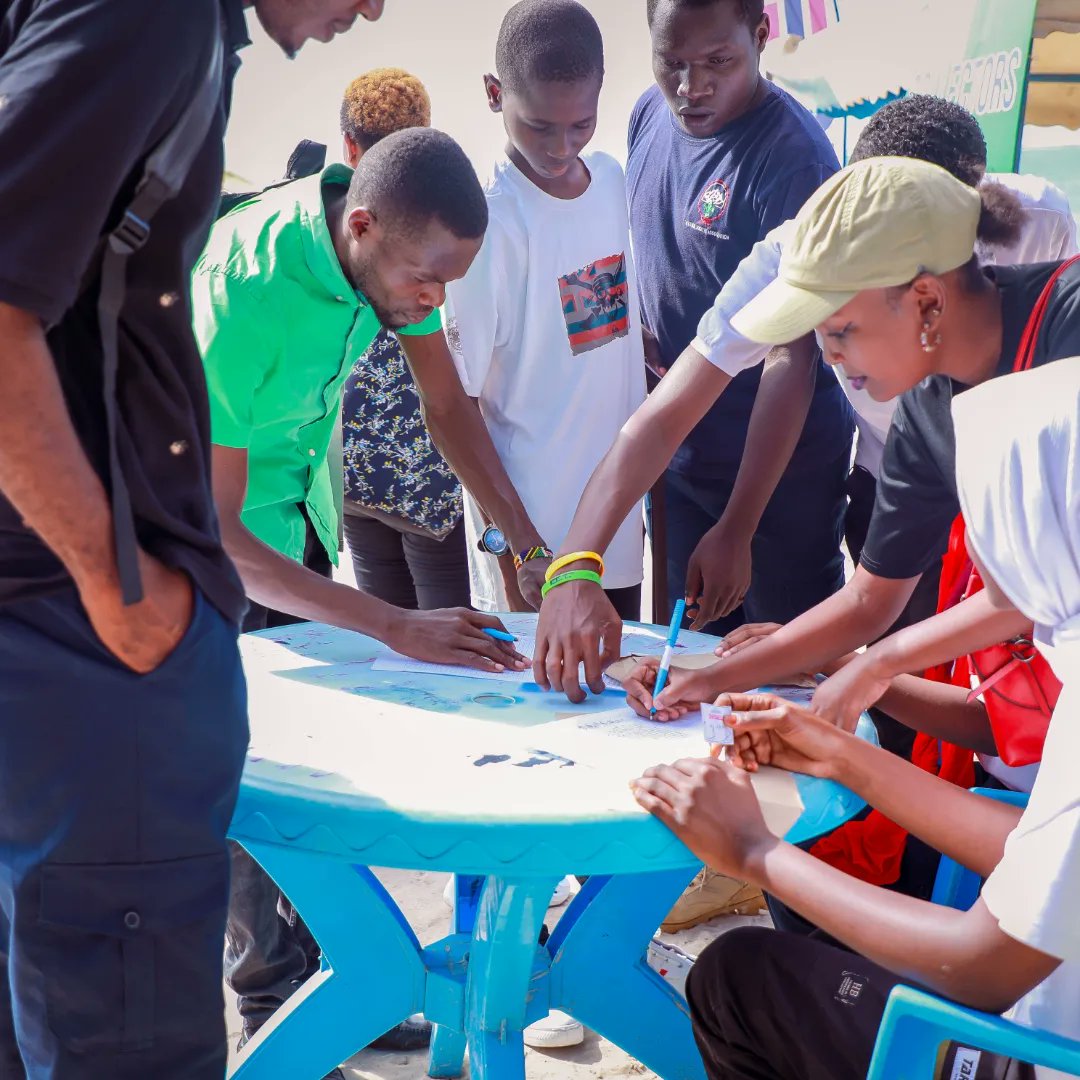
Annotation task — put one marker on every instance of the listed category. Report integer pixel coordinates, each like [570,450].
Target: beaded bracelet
[538,552]
[573,557]
[570,575]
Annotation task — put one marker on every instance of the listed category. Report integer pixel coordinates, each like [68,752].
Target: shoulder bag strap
[1025,355]
[163,176]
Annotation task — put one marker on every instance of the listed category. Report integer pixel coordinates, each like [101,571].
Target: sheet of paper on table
[619,739]
[693,661]
[635,641]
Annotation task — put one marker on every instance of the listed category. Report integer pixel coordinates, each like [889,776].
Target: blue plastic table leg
[373,976]
[447,1057]
[503,962]
[599,973]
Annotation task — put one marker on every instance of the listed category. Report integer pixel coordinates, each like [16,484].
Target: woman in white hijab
[766,1003]
[1018,474]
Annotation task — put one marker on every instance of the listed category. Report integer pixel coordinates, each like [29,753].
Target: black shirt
[87,89]
[916,500]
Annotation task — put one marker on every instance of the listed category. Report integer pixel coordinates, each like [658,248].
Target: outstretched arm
[575,617]
[451,636]
[719,572]
[973,624]
[457,428]
[861,611]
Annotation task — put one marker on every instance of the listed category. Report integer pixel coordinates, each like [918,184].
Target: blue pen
[499,635]
[665,660]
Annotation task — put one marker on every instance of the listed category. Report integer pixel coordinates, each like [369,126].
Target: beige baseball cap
[874,225]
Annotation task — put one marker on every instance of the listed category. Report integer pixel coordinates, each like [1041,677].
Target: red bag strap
[1025,355]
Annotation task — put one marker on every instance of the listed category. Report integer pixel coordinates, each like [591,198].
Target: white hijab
[1018,476]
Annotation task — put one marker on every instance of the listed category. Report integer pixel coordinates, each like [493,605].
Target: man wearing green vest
[293,288]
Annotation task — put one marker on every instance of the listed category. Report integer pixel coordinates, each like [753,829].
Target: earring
[924,338]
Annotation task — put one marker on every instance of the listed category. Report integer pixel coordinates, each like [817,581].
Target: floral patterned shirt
[390,462]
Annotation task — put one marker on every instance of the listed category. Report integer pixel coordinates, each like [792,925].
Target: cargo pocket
[129,952]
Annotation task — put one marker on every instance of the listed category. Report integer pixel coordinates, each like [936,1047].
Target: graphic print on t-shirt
[594,303]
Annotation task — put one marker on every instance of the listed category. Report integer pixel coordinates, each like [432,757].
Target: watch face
[494,541]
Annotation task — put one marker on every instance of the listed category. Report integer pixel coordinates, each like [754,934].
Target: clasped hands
[710,803]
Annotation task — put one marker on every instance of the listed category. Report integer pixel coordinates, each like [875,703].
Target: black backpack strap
[163,176]
[307,159]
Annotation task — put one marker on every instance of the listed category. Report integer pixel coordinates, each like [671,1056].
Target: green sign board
[991,78]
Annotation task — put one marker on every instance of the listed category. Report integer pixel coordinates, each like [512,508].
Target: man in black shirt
[122,724]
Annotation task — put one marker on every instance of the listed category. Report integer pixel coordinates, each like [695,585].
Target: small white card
[717,733]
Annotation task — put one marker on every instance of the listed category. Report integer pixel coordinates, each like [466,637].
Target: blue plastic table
[352,767]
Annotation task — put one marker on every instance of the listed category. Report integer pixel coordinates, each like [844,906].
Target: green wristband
[570,575]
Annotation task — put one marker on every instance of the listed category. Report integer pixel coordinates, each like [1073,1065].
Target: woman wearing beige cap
[882,263]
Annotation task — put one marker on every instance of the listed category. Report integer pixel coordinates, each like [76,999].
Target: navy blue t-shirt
[697,207]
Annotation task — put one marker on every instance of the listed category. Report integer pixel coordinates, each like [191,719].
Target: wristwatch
[492,541]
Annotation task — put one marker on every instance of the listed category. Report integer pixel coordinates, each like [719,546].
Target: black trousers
[408,569]
[766,1005]
[259,617]
[626,602]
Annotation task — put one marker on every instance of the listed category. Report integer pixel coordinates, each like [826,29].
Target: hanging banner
[989,80]
[974,52]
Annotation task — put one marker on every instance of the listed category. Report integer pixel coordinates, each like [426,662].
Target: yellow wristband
[573,557]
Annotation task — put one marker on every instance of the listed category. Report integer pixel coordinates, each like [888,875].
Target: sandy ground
[420,897]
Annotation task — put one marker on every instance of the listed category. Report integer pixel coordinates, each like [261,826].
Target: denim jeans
[116,791]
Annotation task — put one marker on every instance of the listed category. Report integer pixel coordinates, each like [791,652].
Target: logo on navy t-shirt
[713,204]
[711,209]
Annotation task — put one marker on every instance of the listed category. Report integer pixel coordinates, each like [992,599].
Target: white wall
[449,44]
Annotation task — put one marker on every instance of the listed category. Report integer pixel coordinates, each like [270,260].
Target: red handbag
[1013,679]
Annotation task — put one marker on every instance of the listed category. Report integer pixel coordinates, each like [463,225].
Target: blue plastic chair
[915,1023]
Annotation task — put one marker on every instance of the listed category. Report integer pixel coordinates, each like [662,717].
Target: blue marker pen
[665,660]
[499,635]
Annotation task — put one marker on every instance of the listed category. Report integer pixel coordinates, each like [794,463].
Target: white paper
[643,642]
[618,742]
[639,640]
[624,723]
[396,662]
[796,695]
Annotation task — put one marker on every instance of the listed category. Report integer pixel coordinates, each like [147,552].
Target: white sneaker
[670,963]
[563,891]
[566,888]
[555,1031]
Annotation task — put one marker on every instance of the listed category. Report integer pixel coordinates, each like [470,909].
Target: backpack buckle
[130,234]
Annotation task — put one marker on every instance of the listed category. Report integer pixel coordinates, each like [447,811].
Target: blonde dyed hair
[383,101]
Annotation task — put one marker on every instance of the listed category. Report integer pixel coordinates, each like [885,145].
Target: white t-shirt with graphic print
[545,332]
